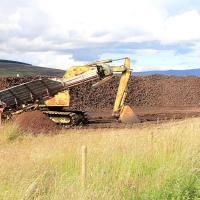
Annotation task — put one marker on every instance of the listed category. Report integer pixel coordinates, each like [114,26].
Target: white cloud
[57,61]
[182,28]
[54,33]
[147,51]
[125,21]
[11,23]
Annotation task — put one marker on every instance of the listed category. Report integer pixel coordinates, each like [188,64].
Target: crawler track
[71,116]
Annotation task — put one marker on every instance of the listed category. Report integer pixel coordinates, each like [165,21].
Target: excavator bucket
[127,116]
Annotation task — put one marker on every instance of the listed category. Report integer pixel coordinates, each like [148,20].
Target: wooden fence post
[84,162]
[150,139]
[192,127]
[158,120]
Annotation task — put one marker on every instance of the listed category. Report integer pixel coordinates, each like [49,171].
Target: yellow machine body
[60,99]
[76,70]
[123,113]
[55,100]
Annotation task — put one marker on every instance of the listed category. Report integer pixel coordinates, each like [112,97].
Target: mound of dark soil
[36,122]
[143,91]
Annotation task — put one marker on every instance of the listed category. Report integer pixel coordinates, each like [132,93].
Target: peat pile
[143,91]
[164,91]
[36,122]
[6,82]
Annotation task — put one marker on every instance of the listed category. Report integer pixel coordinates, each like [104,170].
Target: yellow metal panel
[76,70]
[63,119]
[60,99]
[121,93]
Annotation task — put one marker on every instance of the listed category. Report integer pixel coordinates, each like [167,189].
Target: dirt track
[153,98]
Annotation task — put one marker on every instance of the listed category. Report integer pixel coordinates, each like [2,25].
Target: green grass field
[152,162]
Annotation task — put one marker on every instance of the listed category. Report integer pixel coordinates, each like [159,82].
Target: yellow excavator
[52,96]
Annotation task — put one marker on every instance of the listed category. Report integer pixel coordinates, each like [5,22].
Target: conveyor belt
[30,91]
[40,88]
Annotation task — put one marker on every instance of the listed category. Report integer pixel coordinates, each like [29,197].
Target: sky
[154,34]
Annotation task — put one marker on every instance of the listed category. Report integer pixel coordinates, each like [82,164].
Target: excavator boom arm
[121,93]
[123,113]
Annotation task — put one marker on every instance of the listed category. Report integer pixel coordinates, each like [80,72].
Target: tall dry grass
[148,162]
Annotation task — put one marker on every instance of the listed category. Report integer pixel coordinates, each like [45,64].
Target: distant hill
[187,72]
[12,68]
[13,62]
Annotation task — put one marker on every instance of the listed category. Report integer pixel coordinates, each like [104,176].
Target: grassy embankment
[12,69]
[121,164]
